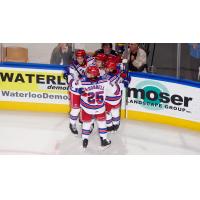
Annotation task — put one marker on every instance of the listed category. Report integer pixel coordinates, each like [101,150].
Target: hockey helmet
[80,53]
[110,64]
[93,70]
[101,57]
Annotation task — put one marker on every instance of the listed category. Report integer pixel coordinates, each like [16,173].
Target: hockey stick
[125,64]
[77,71]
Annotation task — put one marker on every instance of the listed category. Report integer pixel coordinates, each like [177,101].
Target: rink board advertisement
[33,87]
[163,99]
[37,87]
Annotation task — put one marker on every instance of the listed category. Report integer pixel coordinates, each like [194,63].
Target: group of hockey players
[95,92]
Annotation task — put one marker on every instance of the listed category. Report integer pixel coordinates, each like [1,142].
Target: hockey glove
[126,82]
[123,75]
[66,73]
[82,92]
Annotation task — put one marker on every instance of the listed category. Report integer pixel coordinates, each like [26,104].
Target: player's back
[94,95]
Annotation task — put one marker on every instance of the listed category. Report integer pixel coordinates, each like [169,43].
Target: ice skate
[73,129]
[110,128]
[105,143]
[115,128]
[85,143]
[92,128]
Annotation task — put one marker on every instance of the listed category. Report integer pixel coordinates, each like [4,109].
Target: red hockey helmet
[93,70]
[114,58]
[110,64]
[80,53]
[118,59]
[101,57]
[111,57]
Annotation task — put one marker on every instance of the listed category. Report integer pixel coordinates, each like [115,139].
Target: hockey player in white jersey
[113,100]
[93,91]
[76,71]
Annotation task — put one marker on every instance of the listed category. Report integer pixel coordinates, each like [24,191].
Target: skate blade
[91,130]
[103,148]
[75,135]
[82,149]
[113,132]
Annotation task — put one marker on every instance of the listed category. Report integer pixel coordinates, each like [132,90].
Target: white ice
[48,133]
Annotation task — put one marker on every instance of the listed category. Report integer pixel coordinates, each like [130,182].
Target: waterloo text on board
[30,78]
[33,95]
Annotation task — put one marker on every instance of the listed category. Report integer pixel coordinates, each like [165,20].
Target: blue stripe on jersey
[86,83]
[116,119]
[89,106]
[112,78]
[103,81]
[108,121]
[115,98]
[70,83]
[102,130]
[85,132]
[82,67]
[117,92]
[90,58]
[73,117]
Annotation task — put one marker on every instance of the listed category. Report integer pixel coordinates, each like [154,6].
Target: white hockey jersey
[102,72]
[76,71]
[93,94]
[114,97]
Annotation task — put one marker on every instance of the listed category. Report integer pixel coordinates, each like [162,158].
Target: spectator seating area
[160,60]
[15,54]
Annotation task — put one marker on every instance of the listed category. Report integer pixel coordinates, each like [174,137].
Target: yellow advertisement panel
[36,89]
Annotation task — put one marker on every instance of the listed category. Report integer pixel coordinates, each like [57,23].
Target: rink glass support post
[1,52]
[178,71]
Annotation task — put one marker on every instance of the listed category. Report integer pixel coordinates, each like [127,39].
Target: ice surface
[48,133]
